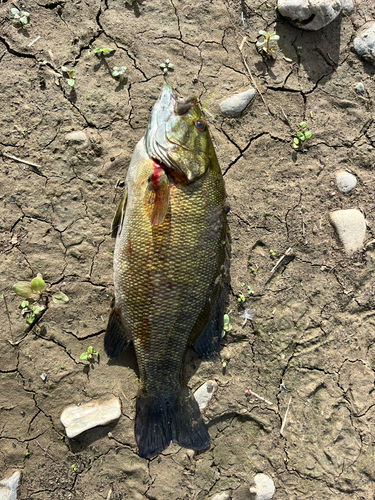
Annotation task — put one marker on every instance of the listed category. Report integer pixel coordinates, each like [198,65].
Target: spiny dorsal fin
[119,215]
[157,195]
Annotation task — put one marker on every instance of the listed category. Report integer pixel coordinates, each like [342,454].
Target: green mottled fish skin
[170,276]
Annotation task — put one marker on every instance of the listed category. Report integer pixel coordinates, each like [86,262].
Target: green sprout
[301,136]
[70,74]
[27,353]
[119,72]
[35,289]
[265,46]
[102,52]
[249,290]
[74,468]
[272,253]
[20,17]
[89,355]
[241,297]
[227,327]
[30,312]
[27,454]
[167,66]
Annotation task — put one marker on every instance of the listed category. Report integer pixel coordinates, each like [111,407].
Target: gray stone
[234,105]
[345,181]
[77,138]
[364,43]
[263,488]
[350,226]
[79,418]
[320,12]
[204,393]
[9,486]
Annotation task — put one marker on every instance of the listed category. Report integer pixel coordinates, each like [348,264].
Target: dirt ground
[311,341]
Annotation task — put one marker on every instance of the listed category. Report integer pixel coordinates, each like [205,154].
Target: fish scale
[170,268]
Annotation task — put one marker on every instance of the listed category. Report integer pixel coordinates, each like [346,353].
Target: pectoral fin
[157,196]
[119,215]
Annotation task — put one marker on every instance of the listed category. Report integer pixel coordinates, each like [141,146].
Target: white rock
[350,226]
[204,393]
[9,486]
[233,106]
[77,419]
[312,14]
[263,488]
[364,43]
[345,181]
[225,495]
[360,87]
[77,138]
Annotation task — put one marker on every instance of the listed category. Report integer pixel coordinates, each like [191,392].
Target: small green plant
[35,290]
[102,52]
[27,352]
[74,468]
[265,46]
[272,253]
[167,66]
[227,327]
[241,297]
[119,73]
[226,359]
[249,290]
[70,81]
[89,355]
[254,269]
[301,136]
[20,17]
[62,367]
[27,454]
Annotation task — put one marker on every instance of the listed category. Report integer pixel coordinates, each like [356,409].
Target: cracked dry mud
[313,326]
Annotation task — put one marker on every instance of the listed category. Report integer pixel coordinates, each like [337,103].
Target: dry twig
[285,417]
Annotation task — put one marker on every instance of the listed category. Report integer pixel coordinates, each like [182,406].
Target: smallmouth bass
[171,266]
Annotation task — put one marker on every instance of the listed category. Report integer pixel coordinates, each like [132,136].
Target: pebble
[204,393]
[321,12]
[9,486]
[225,495]
[350,226]
[234,105]
[364,43]
[79,418]
[77,138]
[264,487]
[345,181]
[360,87]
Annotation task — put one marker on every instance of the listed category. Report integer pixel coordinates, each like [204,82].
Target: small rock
[9,486]
[359,87]
[224,495]
[364,43]
[204,393]
[345,181]
[102,411]
[263,488]
[233,106]
[77,138]
[312,14]
[43,376]
[350,226]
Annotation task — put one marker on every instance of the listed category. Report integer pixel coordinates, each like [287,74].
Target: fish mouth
[157,144]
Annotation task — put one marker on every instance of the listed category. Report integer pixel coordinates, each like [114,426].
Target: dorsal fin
[119,215]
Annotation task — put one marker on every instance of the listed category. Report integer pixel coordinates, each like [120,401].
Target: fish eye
[200,125]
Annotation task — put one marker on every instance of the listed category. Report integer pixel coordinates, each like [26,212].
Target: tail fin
[160,420]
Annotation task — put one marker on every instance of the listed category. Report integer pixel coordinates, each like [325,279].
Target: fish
[171,269]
